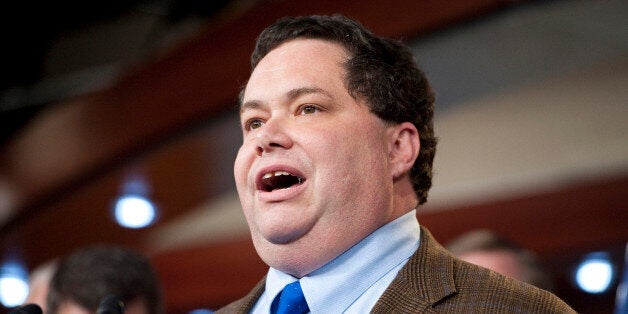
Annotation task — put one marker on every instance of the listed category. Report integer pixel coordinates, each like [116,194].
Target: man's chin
[283,230]
[283,237]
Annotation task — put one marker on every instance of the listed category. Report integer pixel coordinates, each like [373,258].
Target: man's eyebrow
[251,104]
[291,95]
[298,92]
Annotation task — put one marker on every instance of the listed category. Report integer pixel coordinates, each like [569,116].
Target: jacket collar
[425,280]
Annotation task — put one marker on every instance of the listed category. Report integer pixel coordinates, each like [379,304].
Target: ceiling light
[595,273]
[134,211]
[13,285]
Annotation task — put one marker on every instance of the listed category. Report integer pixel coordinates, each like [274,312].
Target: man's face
[312,174]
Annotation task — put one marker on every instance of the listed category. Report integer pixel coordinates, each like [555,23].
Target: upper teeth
[276,173]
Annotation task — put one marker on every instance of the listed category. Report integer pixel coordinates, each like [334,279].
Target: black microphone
[27,309]
[110,304]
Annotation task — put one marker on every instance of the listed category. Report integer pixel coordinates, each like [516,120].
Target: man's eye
[254,124]
[308,109]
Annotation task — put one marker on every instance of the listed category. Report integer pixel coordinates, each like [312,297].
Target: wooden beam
[583,216]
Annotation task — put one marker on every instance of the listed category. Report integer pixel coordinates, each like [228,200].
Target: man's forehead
[294,68]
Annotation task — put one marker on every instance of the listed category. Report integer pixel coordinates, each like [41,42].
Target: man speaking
[337,153]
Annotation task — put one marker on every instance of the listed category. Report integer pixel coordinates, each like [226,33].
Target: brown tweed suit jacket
[433,281]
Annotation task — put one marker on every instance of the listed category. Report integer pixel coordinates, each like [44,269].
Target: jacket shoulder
[434,280]
[481,289]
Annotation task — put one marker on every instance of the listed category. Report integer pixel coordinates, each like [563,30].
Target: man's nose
[273,135]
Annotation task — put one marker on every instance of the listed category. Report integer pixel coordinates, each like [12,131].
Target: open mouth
[278,180]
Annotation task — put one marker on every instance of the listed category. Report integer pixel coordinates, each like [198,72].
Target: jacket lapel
[426,279]
[246,304]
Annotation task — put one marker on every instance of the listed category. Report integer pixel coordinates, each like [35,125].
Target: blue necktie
[290,300]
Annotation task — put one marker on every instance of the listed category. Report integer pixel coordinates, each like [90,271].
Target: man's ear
[404,148]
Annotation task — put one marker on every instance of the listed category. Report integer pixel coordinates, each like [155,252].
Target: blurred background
[118,124]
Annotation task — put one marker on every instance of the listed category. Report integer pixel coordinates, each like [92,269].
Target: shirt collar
[275,281]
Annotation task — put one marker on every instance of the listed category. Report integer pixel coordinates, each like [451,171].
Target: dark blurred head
[488,249]
[88,275]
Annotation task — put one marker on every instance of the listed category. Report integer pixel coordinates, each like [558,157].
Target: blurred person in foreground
[336,159]
[85,277]
[39,283]
[488,249]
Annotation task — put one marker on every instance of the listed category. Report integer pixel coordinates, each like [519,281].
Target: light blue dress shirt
[354,281]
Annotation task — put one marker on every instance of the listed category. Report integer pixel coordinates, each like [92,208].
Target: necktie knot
[290,300]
